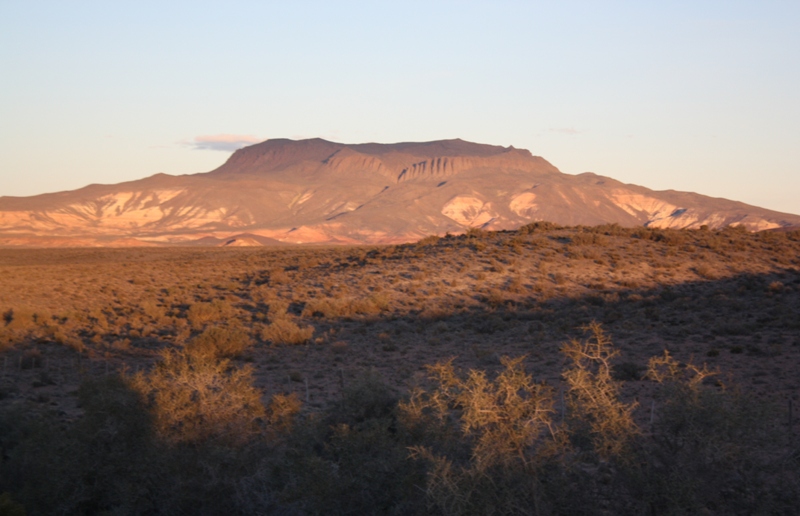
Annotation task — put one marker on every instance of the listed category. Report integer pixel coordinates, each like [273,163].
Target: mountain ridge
[317,191]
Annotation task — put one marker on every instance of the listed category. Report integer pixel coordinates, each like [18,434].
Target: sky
[698,95]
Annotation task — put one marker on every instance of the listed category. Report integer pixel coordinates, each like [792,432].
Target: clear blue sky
[697,95]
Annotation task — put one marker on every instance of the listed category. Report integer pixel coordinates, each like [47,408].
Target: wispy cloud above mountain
[570,131]
[222,142]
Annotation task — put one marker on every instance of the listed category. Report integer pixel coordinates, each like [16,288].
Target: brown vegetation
[347,380]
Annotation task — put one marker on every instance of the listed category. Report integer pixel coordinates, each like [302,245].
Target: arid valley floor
[319,322]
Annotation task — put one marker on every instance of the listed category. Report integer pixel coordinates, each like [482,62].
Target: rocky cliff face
[319,191]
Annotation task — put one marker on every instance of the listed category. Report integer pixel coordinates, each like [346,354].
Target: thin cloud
[571,131]
[222,142]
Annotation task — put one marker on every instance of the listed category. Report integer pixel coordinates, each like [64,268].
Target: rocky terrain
[316,191]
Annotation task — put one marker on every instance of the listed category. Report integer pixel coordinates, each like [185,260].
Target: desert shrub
[476,232]
[711,449]
[278,309]
[595,410]
[262,294]
[429,240]
[477,245]
[538,226]
[515,285]
[380,300]
[282,411]
[354,458]
[775,286]
[340,347]
[486,442]
[589,238]
[200,314]
[346,306]
[21,320]
[366,305]
[366,397]
[195,399]
[285,331]
[219,342]
[102,464]
[705,271]
[149,308]
[278,277]
[610,230]
[495,297]
[671,237]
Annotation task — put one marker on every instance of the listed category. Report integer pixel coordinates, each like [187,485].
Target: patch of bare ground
[331,337]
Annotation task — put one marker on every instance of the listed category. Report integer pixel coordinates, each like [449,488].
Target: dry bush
[595,408]
[775,287]
[705,271]
[219,342]
[486,440]
[353,460]
[278,309]
[666,370]
[538,226]
[262,294]
[278,277]
[197,400]
[339,347]
[148,307]
[711,447]
[495,297]
[200,314]
[346,306]
[429,240]
[475,232]
[282,411]
[285,331]
[62,336]
[591,238]
[21,320]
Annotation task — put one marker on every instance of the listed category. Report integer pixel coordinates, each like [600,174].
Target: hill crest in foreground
[316,191]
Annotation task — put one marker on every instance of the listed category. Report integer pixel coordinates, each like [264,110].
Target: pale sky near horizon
[699,96]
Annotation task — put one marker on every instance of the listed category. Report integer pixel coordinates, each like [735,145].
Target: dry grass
[283,325]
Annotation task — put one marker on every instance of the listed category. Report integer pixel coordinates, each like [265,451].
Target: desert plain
[115,366]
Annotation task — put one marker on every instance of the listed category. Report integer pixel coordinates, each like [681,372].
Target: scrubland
[548,370]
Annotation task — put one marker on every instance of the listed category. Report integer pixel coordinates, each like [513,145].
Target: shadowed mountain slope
[325,192]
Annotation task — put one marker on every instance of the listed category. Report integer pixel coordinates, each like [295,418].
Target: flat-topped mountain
[286,191]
